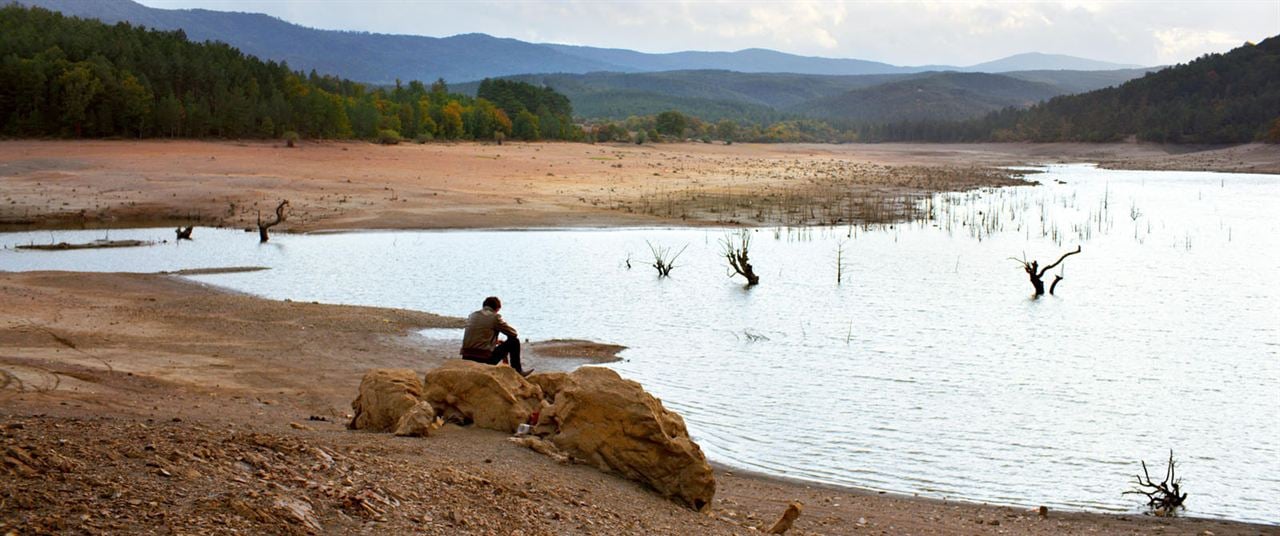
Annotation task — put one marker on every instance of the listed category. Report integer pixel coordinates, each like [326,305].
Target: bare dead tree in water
[184,233]
[263,226]
[1163,498]
[663,260]
[736,250]
[1036,273]
[840,264]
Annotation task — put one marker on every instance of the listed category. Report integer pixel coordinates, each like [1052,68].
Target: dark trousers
[508,351]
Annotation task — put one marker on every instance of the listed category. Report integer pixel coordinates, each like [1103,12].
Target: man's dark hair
[493,302]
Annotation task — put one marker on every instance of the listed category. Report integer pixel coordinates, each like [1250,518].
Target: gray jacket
[481,335]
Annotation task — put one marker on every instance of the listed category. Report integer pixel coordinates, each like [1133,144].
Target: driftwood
[1163,498]
[735,251]
[184,233]
[96,244]
[1036,273]
[264,226]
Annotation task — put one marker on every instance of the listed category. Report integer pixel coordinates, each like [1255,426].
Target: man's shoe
[526,372]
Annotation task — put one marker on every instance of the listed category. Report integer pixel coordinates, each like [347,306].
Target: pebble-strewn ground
[144,404]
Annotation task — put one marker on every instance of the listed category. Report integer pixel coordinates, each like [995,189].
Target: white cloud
[1179,44]
[957,32]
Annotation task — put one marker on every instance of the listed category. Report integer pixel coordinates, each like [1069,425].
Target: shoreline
[335,186]
[139,347]
[70,328]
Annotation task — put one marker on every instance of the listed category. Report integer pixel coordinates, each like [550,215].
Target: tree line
[673,125]
[69,77]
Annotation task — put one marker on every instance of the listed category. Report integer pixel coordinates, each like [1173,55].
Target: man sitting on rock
[480,340]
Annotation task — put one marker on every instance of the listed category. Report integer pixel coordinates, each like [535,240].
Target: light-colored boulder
[493,397]
[550,382]
[419,421]
[613,424]
[385,396]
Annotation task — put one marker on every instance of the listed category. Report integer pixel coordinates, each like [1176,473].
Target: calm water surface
[929,370]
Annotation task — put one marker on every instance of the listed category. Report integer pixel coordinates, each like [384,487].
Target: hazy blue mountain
[366,57]
[751,60]
[382,58]
[1036,61]
[941,96]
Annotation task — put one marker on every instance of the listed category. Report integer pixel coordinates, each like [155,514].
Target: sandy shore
[352,185]
[150,403]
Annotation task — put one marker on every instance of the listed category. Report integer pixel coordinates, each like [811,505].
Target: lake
[928,369]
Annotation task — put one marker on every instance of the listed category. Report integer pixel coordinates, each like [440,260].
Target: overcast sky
[898,32]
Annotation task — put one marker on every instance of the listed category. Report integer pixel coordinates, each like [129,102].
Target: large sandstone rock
[493,397]
[615,425]
[386,395]
[550,382]
[419,421]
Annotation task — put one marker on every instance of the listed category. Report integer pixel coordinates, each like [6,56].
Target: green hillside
[940,96]
[70,77]
[764,97]
[1218,98]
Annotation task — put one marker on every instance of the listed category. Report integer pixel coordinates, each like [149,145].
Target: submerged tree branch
[264,226]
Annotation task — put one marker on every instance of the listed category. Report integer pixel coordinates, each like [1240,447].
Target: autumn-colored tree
[451,121]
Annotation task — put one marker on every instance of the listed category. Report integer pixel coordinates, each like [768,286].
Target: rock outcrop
[550,382]
[419,421]
[385,396]
[613,424]
[590,415]
[493,397]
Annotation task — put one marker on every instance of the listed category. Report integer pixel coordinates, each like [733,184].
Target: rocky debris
[385,396]
[788,518]
[298,511]
[419,421]
[104,476]
[492,397]
[541,446]
[614,425]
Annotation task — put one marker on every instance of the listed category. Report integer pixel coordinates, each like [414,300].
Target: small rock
[788,518]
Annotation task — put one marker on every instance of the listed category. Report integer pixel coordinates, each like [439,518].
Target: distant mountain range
[1233,97]
[764,97]
[383,58]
